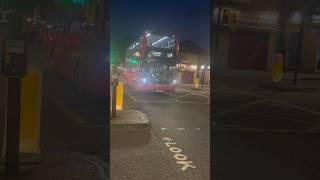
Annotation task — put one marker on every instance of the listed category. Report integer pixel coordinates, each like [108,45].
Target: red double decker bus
[151,63]
[74,38]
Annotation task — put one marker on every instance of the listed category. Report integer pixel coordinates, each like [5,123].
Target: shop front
[246,39]
[310,39]
[187,74]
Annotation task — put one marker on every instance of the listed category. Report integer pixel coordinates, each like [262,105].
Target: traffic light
[133,61]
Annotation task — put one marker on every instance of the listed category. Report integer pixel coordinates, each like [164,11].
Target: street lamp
[297,64]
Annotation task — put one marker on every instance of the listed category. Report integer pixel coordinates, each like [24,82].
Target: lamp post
[300,41]
[203,67]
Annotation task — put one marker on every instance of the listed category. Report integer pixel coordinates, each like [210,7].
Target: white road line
[296,107]
[264,130]
[274,100]
[164,101]
[73,116]
[281,118]
[314,128]
[242,92]
[181,102]
[191,102]
[188,94]
[202,95]
[230,127]
[179,129]
[77,119]
[238,108]
[130,96]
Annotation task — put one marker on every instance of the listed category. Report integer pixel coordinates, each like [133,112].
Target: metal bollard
[196,83]
[114,97]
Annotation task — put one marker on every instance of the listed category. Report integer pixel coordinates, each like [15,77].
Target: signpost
[13,67]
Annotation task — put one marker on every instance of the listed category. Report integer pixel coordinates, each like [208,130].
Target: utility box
[13,58]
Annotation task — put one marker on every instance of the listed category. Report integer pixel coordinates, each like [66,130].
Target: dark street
[262,133]
[182,119]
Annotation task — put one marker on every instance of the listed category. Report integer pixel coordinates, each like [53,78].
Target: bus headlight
[144,80]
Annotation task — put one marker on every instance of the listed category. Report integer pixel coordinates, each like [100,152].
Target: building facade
[248,34]
[193,63]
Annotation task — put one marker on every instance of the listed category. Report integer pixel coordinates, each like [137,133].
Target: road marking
[242,92]
[238,108]
[180,158]
[130,96]
[180,102]
[78,120]
[170,99]
[297,107]
[230,127]
[264,130]
[163,101]
[180,129]
[202,95]
[274,100]
[75,117]
[281,118]
[314,129]
[175,98]
[191,102]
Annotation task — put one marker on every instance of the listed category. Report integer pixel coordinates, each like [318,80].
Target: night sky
[187,19]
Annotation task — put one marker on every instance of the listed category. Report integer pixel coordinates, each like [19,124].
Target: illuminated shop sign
[258,19]
[315,18]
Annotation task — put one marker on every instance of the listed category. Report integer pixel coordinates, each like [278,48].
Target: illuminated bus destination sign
[156,53]
[163,54]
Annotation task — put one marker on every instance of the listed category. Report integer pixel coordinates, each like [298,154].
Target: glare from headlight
[174,82]
[144,80]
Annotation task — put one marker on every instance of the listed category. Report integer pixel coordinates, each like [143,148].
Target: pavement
[263,79]
[265,132]
[73,166]
[73,132]
[175,146]
[130,119]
